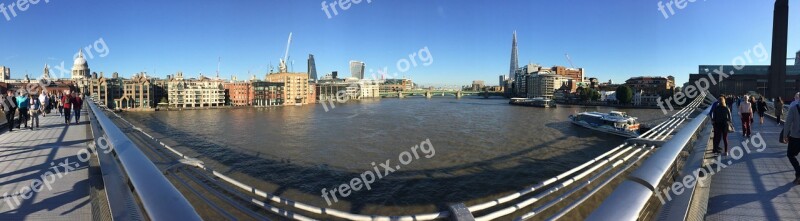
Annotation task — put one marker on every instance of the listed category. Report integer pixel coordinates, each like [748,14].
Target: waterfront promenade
[759,185]
[27,156]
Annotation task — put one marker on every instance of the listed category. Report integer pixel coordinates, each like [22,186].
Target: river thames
[483,148]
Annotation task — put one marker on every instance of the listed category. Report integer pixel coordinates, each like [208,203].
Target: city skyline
[469,42]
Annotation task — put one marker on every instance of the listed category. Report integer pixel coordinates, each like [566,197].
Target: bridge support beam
[400,94]
[459,94]
[428,94]
[460,212]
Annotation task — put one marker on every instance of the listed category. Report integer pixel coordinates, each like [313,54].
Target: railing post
[460,212]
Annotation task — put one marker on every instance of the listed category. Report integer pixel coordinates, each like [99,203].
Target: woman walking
[746,115]
[60,104]
[722,124]
[779,109]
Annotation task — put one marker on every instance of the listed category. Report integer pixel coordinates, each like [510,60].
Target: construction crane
[570,60]
[282,65]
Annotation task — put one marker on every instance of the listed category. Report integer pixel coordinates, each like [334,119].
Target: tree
[584,93]
[624,94]
[595,95]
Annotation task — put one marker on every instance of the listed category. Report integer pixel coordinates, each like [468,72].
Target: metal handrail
[630,198]
[161,200]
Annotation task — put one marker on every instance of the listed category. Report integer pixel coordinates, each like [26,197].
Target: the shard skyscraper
[514,59]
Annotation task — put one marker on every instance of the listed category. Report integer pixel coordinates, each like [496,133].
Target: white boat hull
[617,132]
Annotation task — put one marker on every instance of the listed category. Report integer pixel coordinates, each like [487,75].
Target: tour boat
[535,102]
[614,122]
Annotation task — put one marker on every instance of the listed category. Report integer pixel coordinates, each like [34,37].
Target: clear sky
[467,40]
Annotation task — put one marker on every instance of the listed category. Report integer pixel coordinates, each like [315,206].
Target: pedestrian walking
[36,110]
[76,107]
[66,102]
[762,108]
[746,115]
[779,109]
[9,103]
[791,134]
[44,99]
[53,102]
[60,101]
[723,124]
[23,104]
[729,100]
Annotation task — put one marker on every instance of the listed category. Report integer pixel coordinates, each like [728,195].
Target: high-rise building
[503,79]
[5,74]
[357,69]
[514,58]
[312,68]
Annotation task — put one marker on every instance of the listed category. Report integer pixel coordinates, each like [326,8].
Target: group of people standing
[30,106]
[747,107]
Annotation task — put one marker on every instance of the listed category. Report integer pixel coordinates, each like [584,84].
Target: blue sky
[468,40]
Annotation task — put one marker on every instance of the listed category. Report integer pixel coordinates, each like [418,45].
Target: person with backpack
[66,103]
[722,122]
[9,103]
[791,134]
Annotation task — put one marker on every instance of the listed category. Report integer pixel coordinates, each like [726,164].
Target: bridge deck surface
[759,185]
[25,158]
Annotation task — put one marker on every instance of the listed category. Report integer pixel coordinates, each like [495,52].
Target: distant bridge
[440,93]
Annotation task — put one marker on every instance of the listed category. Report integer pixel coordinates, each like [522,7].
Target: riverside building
[202,92]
